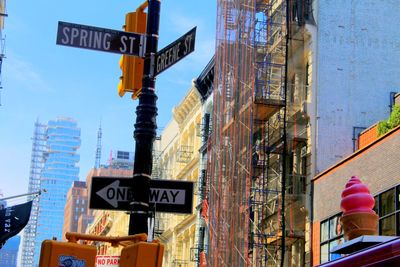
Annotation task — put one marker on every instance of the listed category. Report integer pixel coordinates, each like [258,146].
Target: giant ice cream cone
[357,205]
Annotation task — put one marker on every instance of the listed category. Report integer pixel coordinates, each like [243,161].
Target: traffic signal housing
[142,254]
[131,66]
[55,253]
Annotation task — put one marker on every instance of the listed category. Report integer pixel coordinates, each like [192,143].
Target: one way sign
[165,195]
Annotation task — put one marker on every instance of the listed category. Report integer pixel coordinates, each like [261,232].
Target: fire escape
[257,162]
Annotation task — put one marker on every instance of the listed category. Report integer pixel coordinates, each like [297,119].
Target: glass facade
[59,171]
[9,252]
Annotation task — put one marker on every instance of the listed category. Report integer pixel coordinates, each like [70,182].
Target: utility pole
[145,127]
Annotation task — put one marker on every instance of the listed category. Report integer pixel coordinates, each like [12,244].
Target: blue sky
[42,80]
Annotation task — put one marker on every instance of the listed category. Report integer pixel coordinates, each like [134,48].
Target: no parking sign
[107,261]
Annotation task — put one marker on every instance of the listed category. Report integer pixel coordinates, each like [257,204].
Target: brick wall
[368,136]
[377,166]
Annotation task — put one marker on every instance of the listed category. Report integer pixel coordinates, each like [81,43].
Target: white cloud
[22,73]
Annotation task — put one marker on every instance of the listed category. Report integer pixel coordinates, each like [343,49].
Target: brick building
[376,163]
[77,204]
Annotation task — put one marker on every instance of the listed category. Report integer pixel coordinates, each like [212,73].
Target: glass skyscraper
[60,169]
[9,252]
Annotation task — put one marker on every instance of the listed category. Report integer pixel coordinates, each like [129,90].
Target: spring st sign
[100,39]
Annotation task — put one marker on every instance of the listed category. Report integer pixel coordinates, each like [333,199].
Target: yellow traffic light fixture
[142,254]
[136,251]
[131,66]
[56,253]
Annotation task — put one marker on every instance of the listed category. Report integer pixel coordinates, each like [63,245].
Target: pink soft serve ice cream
[356,198]
[357,205]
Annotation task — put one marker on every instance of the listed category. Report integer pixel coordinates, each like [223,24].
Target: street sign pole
[145,127]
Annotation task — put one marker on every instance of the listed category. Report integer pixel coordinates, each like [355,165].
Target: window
[292,89]
[388,226]
[308,81]
[331,236]
[303,164]
[206,127]
[387,203]
[324,231]
[387,206]
[299,11]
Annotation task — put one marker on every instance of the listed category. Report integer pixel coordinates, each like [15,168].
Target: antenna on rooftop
[98,148]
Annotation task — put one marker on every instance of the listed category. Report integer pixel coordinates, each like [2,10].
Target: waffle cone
[359,224]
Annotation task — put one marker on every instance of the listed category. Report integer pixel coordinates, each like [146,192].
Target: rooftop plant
[391,122]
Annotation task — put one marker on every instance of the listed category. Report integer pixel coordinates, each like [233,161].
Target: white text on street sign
[115,193]
[165,195]
[174,52]
[106,40]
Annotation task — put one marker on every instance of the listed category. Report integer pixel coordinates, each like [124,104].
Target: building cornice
[188,221]
[183,110]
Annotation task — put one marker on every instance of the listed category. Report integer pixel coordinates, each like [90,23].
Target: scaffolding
[255,176]
[36,167]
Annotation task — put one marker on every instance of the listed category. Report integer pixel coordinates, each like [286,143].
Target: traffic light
[131,66]
[55,253]
[142,254]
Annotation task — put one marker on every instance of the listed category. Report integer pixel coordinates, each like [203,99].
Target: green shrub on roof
[394,119]
[391,122]
[383,127]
